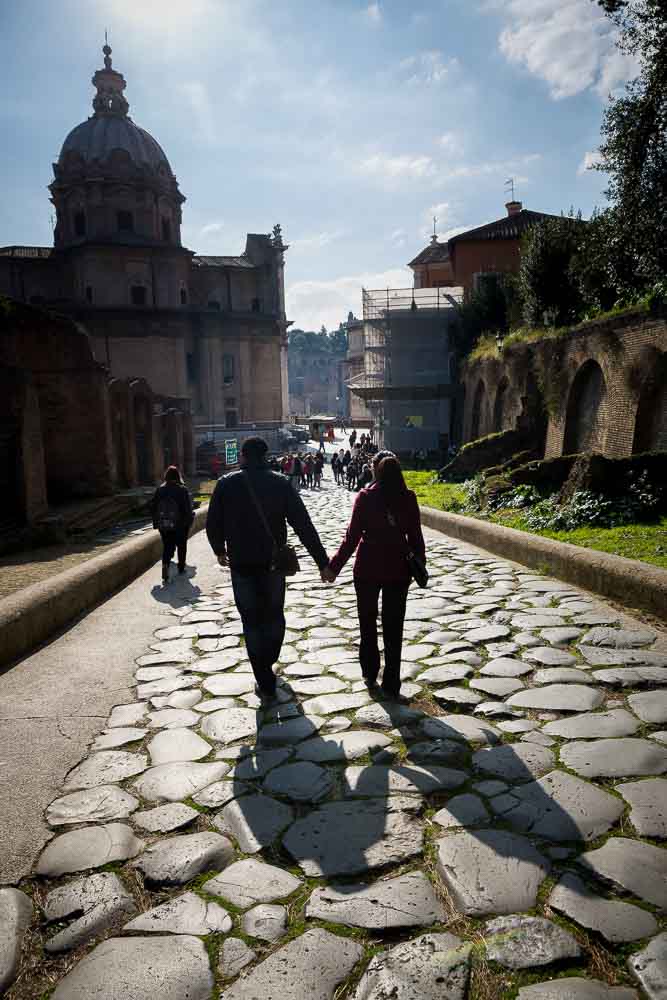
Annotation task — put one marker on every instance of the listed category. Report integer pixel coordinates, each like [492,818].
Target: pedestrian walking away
[171,509]
[385,527]
[247,527]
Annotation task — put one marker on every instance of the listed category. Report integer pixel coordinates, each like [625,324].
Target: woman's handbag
[417,568]
[284,559]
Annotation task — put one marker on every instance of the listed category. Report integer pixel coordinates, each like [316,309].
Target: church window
[125,221]
[184,297]
[79,223]
[89,293]
[166,229]
[138,295]
[228,368]
[231,418]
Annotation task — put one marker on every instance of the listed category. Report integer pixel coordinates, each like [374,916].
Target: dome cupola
[113,181]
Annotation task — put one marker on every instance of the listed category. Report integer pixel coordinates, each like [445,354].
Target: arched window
[478,411]
[125,221]
[585,422]
[80,223]
[651,420]
[500,405]
[184,296]
[166,229]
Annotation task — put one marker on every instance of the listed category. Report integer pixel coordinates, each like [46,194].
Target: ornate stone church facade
[208,333]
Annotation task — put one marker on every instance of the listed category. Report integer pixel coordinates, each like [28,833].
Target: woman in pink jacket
[384,528]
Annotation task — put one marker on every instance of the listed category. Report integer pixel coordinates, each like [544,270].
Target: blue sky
[351,123]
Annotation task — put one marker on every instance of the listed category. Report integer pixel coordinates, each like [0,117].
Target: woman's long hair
[389,476]
[173,475]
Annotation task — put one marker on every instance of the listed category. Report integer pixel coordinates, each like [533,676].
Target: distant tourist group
[247,529]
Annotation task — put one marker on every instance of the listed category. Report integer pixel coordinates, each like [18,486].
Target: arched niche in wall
[586,416]
[651,420]
[500,404]
[478,411]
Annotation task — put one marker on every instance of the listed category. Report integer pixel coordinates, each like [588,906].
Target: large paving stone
[619,637]
[341,746]
[387,715]
[598,656]
[514,762]
[177,745]
[88,847]
[406,901]
[290,730]
[614,758]
[445,673]
[549,656]
[234,956]
[220,793]
[92,805]
[460,727]
[650,967]
[558,698]
[594,725]
[431,967]
[560,636]
[98,902]
[560,675]
[255,821]
[174,718]
[346,838]
[378,781]
[302,781]
[333,704]
[266,921]
[174,782]
[230,724]
[248,882]
[254,766]
[505,666]
[560,807]
[186,914]
[311,966]
[490,871]
[487,633]
[457,696]
[105,768]
[317,685]
[171,968]
[633,865]
[15,918]
[462,810]
[228,685]
[575,988]
[164,819]
[519,942]
[499,687]
[176,860]
[166,685]
[614,920]
[649,805]
[437,752]
[425,607]
[631,676]
[118,737]
[650,706]
[127,715]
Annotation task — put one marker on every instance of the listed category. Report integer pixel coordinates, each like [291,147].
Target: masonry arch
[586,415]
[500,404]
[479,404]
[651,420]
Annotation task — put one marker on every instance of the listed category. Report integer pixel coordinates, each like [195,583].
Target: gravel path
[499,833]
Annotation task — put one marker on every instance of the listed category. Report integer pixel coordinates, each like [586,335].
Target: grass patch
[430,492]
[646,542]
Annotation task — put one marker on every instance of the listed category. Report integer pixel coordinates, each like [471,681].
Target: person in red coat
[385,526]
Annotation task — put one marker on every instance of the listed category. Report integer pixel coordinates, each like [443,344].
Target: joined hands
[327,575]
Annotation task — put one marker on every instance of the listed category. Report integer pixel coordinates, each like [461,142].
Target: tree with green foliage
[549,288]
[494,307]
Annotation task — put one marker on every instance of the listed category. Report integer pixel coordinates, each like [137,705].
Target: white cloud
[569,45]
[441,212]
[392,169]
[211,229]
[202,110]
[398,238]
[590,159]
[373,13]
[312,303]
[427,68]
[451,143]
[316,242]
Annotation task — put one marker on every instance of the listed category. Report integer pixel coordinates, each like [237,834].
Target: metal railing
[377,302]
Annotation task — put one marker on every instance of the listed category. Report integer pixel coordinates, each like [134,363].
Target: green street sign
[231,452]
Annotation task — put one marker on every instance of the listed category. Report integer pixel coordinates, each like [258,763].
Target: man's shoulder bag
[283,557]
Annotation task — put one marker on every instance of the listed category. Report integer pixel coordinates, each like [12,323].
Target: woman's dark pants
[171,541]
[394,597]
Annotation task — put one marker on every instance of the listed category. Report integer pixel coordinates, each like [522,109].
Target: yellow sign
[417,421]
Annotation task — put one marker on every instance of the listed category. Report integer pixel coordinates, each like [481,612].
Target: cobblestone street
[498,833]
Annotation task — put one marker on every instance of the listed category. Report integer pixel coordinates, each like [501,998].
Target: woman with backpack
[173,515]
[385,530]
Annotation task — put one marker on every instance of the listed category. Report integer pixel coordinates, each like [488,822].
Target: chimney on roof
[513,207]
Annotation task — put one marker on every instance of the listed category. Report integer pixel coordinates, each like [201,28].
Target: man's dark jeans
[394,597]
[172,540]
[260,599]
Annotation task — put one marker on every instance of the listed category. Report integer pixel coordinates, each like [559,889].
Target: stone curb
[32,615]
[634,584]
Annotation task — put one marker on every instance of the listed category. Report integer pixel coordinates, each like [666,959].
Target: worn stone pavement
[499,833]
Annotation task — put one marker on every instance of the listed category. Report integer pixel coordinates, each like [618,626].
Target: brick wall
[603,388]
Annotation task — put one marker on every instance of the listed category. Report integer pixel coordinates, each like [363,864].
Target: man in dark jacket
[240,540]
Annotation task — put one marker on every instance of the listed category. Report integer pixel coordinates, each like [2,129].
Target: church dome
[110,129]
